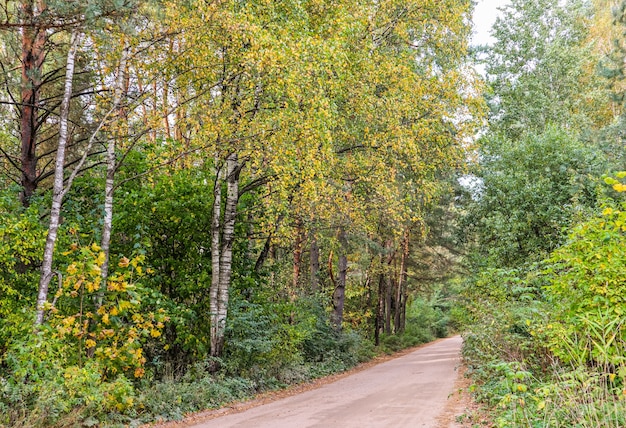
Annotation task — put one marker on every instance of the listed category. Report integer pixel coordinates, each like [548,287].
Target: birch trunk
[110,180]
[58,192]
[222,290]
[216,222]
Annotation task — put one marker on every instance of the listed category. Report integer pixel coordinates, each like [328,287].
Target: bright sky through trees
[485,15]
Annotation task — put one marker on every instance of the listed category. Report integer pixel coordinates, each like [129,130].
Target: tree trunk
[340,289]
[109,185]
[297,254]
[222,247]
[58,192]
[314,263]
[33,55]
[388,304]
[401,292]
[215,255]
[380,307]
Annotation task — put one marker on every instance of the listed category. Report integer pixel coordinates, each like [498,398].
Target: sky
[485,15]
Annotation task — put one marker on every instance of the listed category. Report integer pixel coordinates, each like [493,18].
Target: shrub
[588,290]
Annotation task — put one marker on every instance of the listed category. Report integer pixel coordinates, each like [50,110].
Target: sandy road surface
[409,391]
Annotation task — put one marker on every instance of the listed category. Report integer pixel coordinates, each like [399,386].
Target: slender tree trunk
[223,260]
[33,55]
[314,263]
[264,254]
[215,256]
[388,304]
[228,238]
[401,290]
[110,179]
[340,289]
[297,254]
[58,192]
[380,307]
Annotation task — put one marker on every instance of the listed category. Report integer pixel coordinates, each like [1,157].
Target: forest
[202,200]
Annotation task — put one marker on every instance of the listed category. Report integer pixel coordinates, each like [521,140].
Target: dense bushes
[547,342]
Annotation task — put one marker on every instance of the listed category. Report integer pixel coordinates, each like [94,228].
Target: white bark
[215,255]
[109,185]
[57,191]
[222,247]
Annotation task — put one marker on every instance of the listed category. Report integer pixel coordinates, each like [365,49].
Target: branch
[257,183]
[8,157]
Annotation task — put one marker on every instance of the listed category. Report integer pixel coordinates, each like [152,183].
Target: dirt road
[409,391]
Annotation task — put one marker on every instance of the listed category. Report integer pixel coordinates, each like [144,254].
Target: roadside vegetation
[544,313]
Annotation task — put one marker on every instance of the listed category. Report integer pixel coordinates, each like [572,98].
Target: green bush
[199,389]
[44,388]
[588,292]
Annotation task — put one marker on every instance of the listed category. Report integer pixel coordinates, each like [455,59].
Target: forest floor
[419,387]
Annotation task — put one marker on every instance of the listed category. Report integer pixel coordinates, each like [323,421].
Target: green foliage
[22,238]
[168,219]
[527,192]
[106,320]
[541,69]
[81,360]
[45,386]
[588,290]
[547,344]
[260,340]
[571,397]
[498,308]
[198,390]
[426,320]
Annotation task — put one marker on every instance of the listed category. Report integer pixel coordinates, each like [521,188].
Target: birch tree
[59,190]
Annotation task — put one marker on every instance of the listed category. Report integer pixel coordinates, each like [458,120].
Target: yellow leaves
[106,333]
[72,269]
[117,329]
[100,259]
[95,270]
[117,285]
[619,187]
[92,286]
[124,305]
